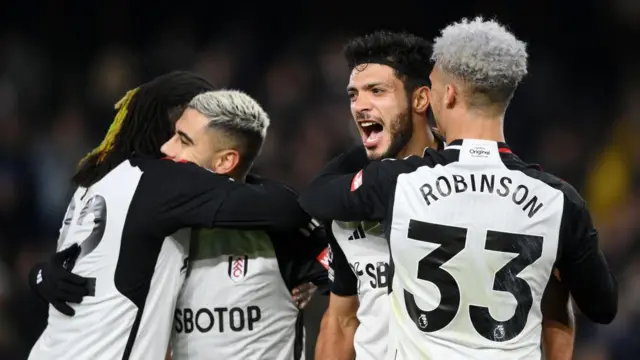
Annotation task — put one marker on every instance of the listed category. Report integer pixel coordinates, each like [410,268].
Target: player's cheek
[387,139]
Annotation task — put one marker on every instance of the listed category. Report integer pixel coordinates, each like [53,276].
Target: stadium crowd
[577,114]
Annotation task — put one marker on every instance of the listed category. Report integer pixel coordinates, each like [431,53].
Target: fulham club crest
[238,267]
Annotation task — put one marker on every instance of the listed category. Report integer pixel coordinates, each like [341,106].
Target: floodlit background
[63,64]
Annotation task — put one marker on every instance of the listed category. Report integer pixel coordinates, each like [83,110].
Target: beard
[400,131]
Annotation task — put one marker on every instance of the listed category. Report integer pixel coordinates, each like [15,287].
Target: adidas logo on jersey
[358,233]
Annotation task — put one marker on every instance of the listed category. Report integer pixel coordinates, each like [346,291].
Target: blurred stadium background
[63,64]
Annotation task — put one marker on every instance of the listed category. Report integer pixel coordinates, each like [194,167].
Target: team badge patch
[324,258]
[238,267]
[357,181]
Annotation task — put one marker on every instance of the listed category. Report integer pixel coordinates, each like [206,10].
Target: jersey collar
[502,147]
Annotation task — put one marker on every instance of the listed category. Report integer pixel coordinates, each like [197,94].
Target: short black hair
[409,55]
[145,120]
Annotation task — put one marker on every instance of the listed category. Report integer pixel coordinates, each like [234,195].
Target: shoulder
[283,199]
[180,179]
[180,174]
[272,185]
[168,166]
[395,167]
[432,157]
[284,194]
[571,195]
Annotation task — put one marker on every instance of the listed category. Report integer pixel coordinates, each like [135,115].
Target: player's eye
[183,142]
[352,96]
[377,91]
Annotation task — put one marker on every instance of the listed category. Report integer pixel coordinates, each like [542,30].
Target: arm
[356,195]
[337,329]
[313,263]
[558,324]
[339,322]
[182,195]
[310,263]
[584,268]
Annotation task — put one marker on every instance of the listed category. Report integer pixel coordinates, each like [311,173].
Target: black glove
[56,285]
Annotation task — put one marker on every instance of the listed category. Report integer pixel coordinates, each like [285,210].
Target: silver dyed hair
[232,109]
[482,54]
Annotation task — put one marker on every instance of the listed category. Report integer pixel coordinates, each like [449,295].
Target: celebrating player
[130,217]
[389,101]
[236,302]
[474,232]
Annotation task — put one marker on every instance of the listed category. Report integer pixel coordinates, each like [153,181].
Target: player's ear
[421,99]
[451,93]
[226,161]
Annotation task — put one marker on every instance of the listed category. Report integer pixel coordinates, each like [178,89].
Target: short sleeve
[342,280]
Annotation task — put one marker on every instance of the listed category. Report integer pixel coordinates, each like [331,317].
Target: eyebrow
[368,86]
[185,137]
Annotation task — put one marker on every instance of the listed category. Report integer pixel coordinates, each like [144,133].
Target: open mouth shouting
[372,132]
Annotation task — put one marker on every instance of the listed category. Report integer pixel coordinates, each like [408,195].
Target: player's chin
[378,150]
[376,153]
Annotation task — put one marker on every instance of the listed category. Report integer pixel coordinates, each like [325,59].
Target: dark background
[63,64]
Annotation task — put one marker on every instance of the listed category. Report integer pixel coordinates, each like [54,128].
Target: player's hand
[57,285]
[303,293]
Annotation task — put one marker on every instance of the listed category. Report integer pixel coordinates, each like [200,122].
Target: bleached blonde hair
[232,109]
[484,55]
[239,117]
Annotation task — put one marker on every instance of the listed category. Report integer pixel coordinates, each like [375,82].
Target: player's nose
[361,104]
[168,150]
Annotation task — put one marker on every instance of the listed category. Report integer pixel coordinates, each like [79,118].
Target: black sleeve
[350,162]
[182,195]
[312,263]
[342,280]
[302,255]
[355,196]
[583,267]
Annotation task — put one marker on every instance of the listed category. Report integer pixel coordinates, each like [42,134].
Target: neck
[421,138]
[239,177]
[472,125]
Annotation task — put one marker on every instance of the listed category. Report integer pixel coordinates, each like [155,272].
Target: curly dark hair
[409,55]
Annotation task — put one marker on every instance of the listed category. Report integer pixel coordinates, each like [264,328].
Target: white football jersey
[473,243]
[136,279]
[474,235]
[237,302]
[135,255]
[359,266]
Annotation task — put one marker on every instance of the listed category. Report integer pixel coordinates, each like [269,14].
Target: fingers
[71,298]
[70,252]
[302,294]
[71,293]
[302,305]
[73,278]
[302,288]
[64,308]
[68,255]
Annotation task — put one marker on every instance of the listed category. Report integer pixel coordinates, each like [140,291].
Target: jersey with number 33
[474,234]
